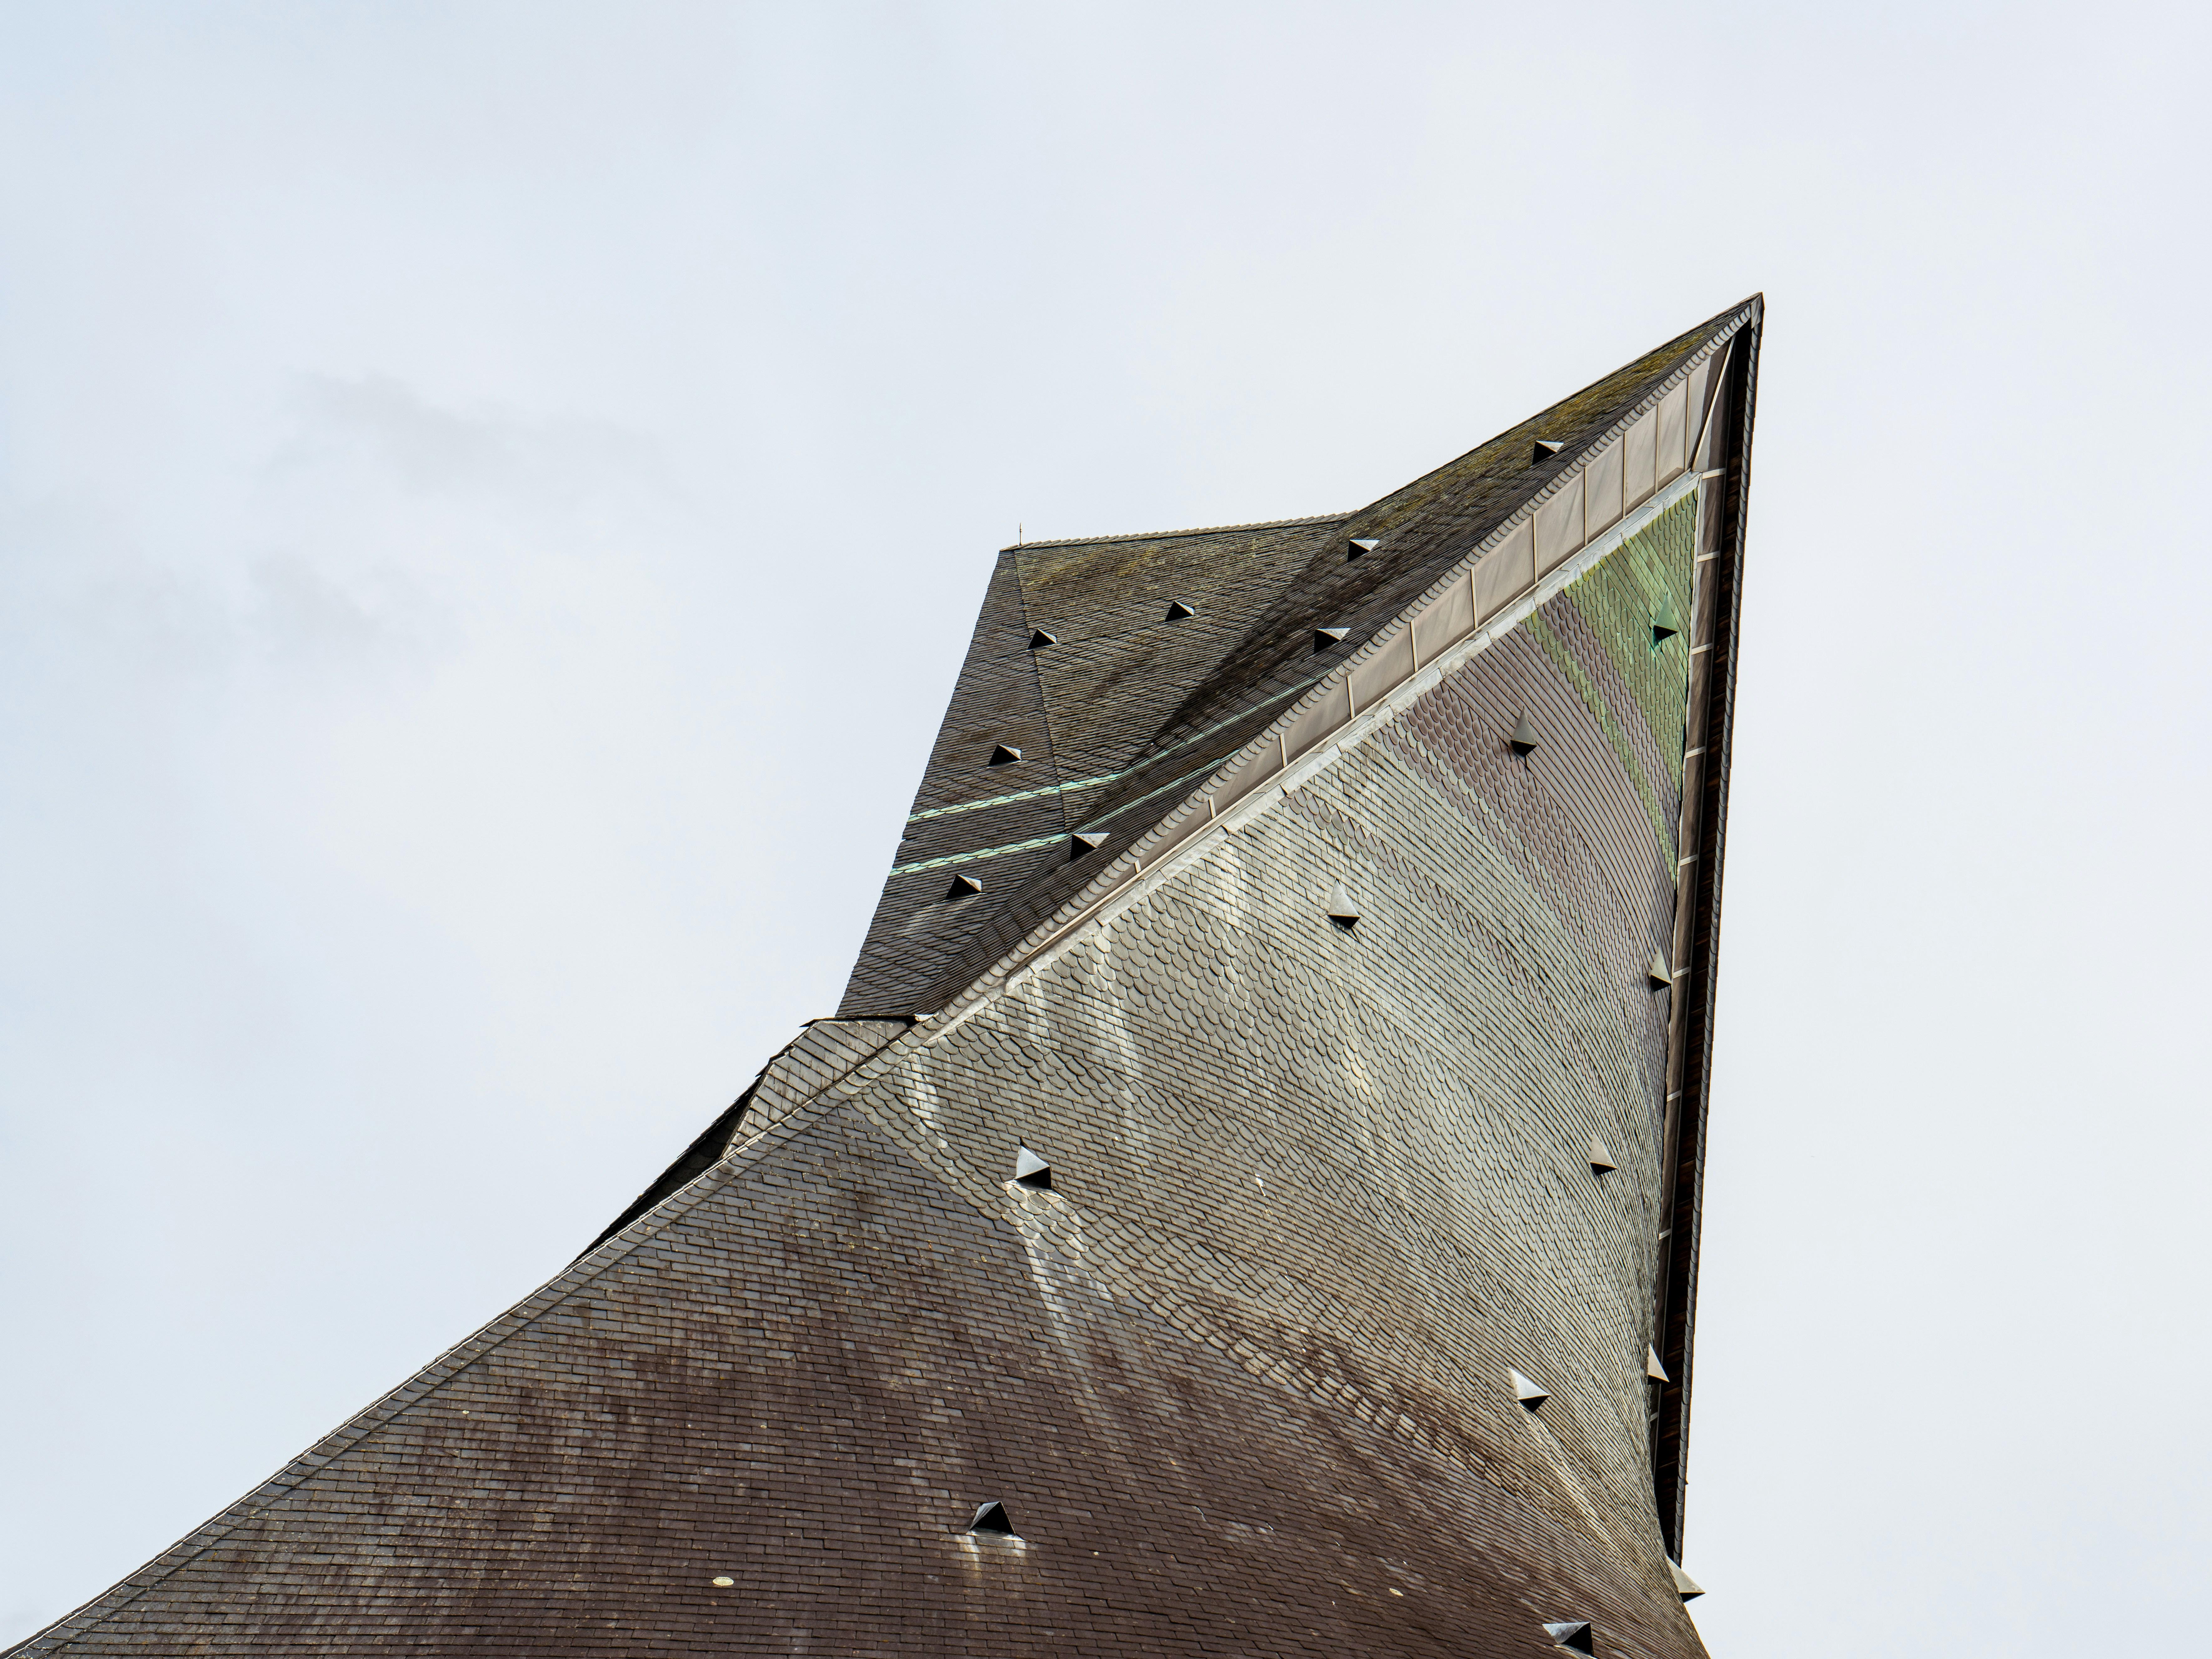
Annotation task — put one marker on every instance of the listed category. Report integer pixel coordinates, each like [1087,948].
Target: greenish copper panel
[1618,598]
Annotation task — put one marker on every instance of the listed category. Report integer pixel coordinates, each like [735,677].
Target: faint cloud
[447,452]
[304,618]
[430,448]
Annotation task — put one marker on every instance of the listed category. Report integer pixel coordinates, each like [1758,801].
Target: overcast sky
[493,497]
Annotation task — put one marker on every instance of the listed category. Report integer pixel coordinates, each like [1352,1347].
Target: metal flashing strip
[1107,777]
[1690,1037]
[980,853]
[1004,800]
[1151,794]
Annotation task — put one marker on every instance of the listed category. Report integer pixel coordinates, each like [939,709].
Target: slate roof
[771,1398]
[1130,710]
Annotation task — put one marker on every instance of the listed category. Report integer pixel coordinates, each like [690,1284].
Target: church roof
[851,1370]
[1121,672]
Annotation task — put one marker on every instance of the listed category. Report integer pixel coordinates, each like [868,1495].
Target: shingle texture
[1129,704]
[1242,1377]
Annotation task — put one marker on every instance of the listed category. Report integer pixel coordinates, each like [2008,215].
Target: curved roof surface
[1168,651]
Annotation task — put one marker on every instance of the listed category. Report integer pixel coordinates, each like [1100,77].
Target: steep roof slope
[1130,706]
[775,1403]
[1078,712]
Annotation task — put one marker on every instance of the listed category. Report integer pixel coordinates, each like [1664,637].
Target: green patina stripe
[981,852]
[1618,598]
[1111,777]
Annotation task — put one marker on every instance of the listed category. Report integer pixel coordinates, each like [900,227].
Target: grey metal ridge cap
[1174,535]
[1386,632]
[1575,463]
[1588,448]
[1721,327]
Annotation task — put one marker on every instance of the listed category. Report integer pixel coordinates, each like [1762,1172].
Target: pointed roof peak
[1148,707]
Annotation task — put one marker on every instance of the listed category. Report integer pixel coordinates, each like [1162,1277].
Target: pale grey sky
[492,498]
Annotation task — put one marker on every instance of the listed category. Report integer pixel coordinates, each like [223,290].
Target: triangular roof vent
[1039,639]
[992,1517]
[1526,738]
[1576,1634]
[1003,755]
[1359,544]
[1652,1368]
[1341,910]
[1031,1171]
[1599,1158]
[1547,449]
[1657,972]
[1666,621]
[1685,1586]
[1084,842]
[1328,638]
[1177,610]
[963,887]
[1527,1392]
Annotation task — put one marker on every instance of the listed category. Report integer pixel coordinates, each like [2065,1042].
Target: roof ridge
[1707,327]
[1702,332]
[1170,535]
